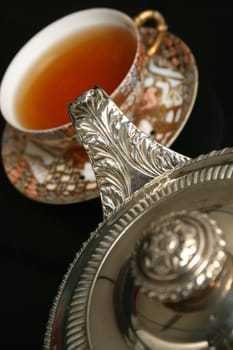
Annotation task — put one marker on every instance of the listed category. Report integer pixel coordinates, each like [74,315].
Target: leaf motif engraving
[123,157]
[93,121]
[146,155]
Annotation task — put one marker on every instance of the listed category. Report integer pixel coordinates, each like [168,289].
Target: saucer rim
[192,100]
[194,94]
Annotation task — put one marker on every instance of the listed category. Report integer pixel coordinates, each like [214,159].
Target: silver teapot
[157,272]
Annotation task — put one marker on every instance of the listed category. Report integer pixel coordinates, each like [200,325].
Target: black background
[37,240]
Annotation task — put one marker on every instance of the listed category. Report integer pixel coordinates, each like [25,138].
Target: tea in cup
[42,155]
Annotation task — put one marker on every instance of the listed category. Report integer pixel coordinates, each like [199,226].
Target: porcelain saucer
[51,176]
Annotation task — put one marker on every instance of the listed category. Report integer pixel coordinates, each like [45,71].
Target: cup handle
[161,27]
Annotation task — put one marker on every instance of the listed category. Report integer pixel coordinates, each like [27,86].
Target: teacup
[54,67]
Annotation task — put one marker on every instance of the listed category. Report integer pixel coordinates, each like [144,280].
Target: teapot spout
[123,157]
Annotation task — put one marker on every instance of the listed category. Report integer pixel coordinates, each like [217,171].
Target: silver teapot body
[157,271]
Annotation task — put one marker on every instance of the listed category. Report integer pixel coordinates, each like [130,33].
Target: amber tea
[98,55]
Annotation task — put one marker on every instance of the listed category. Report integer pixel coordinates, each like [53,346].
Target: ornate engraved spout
[123,157]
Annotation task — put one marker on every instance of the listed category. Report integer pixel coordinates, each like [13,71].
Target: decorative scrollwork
[123,157]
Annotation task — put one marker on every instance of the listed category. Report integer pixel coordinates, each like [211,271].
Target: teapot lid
[157,272]
[178,255]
